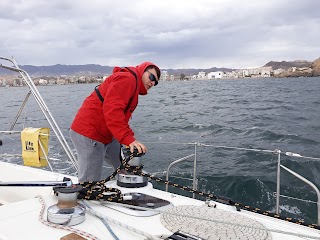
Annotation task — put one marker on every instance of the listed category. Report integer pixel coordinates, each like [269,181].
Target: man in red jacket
[101,124]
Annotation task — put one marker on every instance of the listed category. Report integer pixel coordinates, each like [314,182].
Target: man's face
[149,78]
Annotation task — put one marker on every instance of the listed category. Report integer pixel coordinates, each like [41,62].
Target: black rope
[225,200]
[96,190]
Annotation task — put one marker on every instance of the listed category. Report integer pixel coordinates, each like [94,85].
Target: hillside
[192,71]
[316,67]
[94,69]
[286,65]
[304,68]
[296,68]
[59,69]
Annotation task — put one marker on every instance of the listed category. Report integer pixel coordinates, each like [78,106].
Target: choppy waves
[251,114]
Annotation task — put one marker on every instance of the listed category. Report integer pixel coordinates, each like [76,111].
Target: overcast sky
[170,33]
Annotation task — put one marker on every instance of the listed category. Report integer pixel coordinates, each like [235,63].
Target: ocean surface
[264,114]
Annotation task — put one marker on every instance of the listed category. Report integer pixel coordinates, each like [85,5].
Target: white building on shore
[215,75]
[164,76]
[257,72]
[201,75]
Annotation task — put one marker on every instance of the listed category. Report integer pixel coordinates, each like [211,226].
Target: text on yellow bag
[32,153]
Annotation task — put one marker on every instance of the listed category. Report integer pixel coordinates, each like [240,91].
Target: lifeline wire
[290,154]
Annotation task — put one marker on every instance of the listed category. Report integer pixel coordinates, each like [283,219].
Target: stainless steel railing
[279,166]
[45,110]
[175,162]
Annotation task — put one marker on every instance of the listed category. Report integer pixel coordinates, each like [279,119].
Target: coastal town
[272,69]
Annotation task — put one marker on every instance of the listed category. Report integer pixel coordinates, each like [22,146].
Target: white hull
[19,214]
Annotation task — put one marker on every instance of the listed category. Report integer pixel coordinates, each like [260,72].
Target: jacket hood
[142,67]
[139,70]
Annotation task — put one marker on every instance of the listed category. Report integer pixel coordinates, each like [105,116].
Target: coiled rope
[96,190]
[225,200]
[213,220]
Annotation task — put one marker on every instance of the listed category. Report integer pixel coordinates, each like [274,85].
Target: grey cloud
[173,33]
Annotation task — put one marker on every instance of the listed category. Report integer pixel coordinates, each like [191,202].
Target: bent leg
[112,155]
[90,154]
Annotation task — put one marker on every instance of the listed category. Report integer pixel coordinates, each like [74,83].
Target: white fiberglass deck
[19,216]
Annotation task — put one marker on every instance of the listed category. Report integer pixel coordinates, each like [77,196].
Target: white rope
[10,132]
[10,155]
[172,143]
[111,220]
[291,154]
[103,221]
[294,198]
[237,148]
[216,146]
[70,229]
[216,221]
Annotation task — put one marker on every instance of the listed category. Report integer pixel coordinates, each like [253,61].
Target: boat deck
[187,215]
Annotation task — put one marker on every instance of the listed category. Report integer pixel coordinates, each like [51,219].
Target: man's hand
[141,147]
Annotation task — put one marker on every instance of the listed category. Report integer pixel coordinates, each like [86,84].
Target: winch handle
[127,152]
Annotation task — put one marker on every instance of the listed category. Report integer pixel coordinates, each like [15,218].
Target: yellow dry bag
[31,139]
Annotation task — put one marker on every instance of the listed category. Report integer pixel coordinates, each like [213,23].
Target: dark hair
[156,68]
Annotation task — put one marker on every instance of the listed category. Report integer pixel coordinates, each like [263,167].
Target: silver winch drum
[67,211]
[131,180]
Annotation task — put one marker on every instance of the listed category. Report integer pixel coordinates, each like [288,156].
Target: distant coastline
[77,74]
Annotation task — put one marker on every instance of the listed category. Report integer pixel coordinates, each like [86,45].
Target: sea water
[219,119]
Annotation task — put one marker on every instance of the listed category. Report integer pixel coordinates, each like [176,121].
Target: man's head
[151,76]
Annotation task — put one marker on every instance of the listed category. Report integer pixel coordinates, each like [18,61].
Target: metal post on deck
[194,186]
[310,184]
[43,108]
[20,111]
[173,163]
[278,183]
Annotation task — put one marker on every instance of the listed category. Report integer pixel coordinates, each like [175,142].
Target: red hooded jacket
[101,121]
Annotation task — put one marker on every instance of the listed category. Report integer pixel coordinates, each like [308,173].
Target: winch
[130,180]
[67,211]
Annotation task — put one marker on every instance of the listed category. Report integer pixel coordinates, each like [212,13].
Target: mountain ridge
[96,69]
[288,64]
